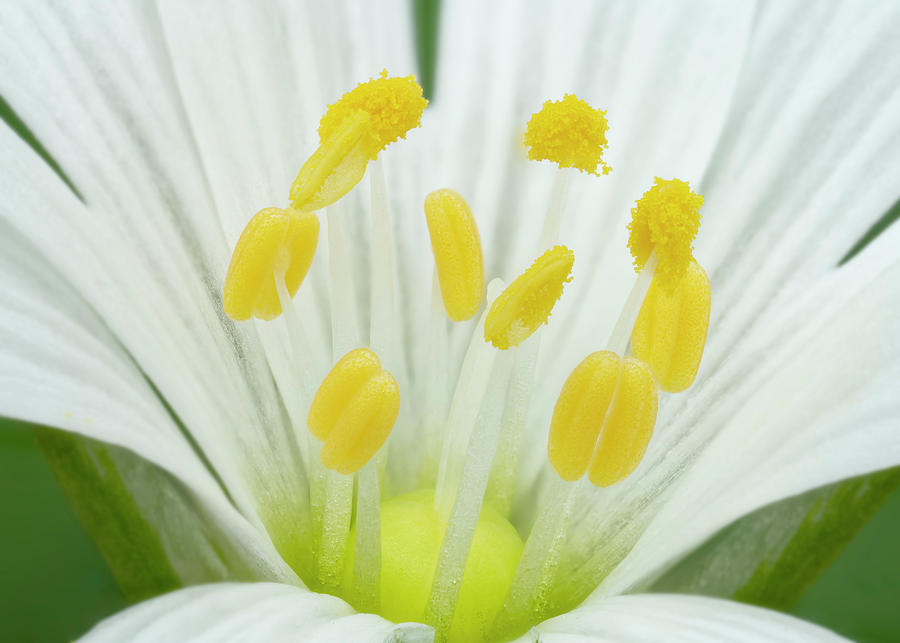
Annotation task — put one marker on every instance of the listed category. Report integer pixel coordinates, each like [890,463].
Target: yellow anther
[609,397]
[336,166]
[579,413]
[275,244]
[351,133]
[528,301]
[670,332]
[457,253]
[665,221]
[570,133]
[354,411]
[628,427]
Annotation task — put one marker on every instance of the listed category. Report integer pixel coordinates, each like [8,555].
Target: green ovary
[411,535]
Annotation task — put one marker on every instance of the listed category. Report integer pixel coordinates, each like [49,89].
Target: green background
[55,585]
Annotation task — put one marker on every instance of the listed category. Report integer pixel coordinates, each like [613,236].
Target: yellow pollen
[394,106]
[528,301]
[665,221]
[570,133]
[457,253]
[275,244]
[670,332]
[609,397]
[351,133]
[354,411]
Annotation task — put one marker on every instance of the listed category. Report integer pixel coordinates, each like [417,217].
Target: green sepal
[91,481]
[770,557]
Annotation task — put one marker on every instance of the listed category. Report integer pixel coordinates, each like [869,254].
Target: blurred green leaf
[772,556]
[857,595]
[91,481]
[55,585]
[427,15]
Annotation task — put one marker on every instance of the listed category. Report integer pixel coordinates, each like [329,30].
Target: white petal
[61,367]
[251,612]
[145,249]
[671,617]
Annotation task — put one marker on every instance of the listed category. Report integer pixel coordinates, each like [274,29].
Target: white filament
[479,459]
[470,389]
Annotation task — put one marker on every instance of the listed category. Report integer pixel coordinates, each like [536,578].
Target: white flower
[176,121]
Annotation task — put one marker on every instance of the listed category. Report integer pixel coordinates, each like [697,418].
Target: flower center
[448,555]
[412,532]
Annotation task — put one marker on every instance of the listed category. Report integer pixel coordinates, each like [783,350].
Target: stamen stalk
[436,384]
[471,386]
[367,553]
[469,499]
[299,346]
[553,219]
[300,358]
[502,486]
[344,314]
[381,339]
[335,528]
[530,589]
[338,505]
[503,478]
[621,333]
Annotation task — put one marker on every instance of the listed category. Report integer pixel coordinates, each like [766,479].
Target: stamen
[299,341]
[336,166]
[344,312]
[457,253]
[609,397]
[664,222]
[528,301]
[553,218]
[621,332]
[354,411]
[502,486]
[304,386]
[628,426]
[337,510]
[529,590]
[570,133]
[382,326]
[469,500]
[436,386]
[351,133]
[474,377]
[670,332]
[579,413]
[604,395]
[367,549]
[337,513]
[394,105]
[367,544]
[275,241]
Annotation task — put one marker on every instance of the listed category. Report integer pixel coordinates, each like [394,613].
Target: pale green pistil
[411,535]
